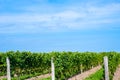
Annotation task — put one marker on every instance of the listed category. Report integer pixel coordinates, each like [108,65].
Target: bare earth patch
[2,77]
[39,77]
[85,74]
[117,74]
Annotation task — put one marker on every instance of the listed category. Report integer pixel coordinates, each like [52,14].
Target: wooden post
[8,69]
[52,69]
[106,68]
[81,68]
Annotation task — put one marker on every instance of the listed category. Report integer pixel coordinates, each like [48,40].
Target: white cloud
[80,18]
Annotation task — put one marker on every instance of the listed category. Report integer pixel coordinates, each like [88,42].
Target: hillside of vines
[67,64]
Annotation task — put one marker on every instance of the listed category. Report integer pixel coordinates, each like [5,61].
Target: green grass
[97,76]
[46,78]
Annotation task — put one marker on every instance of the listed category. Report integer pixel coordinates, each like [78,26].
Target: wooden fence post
[52,69]
[8,69]
[106,68]
[81,68]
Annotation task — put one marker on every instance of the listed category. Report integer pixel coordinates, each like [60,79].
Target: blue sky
[60,25]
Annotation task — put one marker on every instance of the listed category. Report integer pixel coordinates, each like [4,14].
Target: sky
[60,25]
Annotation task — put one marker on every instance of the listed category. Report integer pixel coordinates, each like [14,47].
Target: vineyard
[67,64]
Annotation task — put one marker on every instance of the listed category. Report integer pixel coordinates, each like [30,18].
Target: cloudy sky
[60,25]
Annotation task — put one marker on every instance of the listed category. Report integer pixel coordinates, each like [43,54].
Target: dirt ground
[117,74]
[1,77]
[39,77]
[85,74]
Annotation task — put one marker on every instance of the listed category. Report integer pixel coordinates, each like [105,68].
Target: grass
[97,76]
[46,78]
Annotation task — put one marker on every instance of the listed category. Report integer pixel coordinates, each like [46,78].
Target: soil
[2,77]
[39,77]
[85,74]
[117,74]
